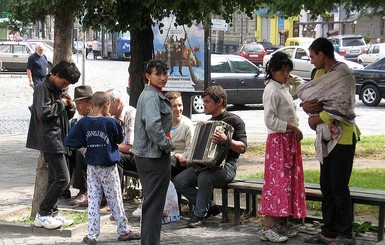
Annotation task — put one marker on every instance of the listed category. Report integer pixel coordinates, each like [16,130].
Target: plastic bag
[171,207]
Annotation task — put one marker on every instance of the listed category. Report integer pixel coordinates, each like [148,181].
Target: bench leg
[237,218]
[247,203]
[225,201]
[254,204]
[381,218]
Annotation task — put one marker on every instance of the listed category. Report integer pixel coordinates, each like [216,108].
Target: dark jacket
[48,126]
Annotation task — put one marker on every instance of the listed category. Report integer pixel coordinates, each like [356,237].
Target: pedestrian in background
[51,109]
[283,192]
[152,148]
[101,134]
[37,66]
[95,48]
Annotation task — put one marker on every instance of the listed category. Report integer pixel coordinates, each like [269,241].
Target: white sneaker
[273,235]
[47,222]
[138,212]
[64,221]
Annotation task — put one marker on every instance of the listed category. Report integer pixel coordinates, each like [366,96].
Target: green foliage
[369,147]
[362,227]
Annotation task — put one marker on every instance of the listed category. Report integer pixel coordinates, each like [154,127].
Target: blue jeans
[58,180]
[198,187]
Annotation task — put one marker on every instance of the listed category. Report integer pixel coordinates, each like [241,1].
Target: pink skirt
[283,193]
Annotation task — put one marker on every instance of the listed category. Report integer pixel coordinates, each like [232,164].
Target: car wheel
[360,62]
[312,75]
[198,104]
[370,95]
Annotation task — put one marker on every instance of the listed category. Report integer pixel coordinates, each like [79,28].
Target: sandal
[319,239]
[343,241]
[131,235]
[88,240]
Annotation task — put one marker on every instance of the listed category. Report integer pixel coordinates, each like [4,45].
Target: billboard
[182,47]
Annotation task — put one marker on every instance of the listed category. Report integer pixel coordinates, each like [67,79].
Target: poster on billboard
[182,47]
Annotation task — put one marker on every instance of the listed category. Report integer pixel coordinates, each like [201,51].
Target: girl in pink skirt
[283,193]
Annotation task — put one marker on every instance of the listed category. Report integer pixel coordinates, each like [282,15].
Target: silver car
[14,55]
[302,65]
[375,52]
[351,46]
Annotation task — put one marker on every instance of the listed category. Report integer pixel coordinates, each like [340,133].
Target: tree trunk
[141,52]
[63,36]
[41,182]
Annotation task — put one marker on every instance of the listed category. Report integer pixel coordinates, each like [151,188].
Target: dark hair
[66,70]
[158,64]
[277,62]
[173,95]
[99,99]
[323,45]
[216,93]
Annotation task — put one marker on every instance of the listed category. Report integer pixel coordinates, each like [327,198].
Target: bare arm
[29,75]
[312,107]
[314,121]
[124,148]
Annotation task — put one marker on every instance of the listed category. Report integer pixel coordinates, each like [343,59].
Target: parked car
[351,46]
[243,81]
[14,55]
[269,47]
[254,52]
[370,83]
[47,42]
[373,53]
[299,41]
[302,65]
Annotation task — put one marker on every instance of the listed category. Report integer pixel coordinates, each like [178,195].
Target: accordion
[204,153]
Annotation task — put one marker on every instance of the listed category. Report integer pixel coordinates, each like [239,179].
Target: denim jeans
[58,180]
[198,187]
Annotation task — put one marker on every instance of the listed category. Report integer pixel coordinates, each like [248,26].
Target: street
[16,96]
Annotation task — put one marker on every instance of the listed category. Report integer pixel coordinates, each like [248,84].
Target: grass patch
[79,217]
[369,147]
[371,178]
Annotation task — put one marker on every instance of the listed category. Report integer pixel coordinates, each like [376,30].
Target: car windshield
[353,41]
[266,44]
[379,65]
[253,48]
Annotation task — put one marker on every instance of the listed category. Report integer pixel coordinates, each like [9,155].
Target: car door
[6,55]
[375,54]
[20,56]
[251,82]
[301,63]
[222,75]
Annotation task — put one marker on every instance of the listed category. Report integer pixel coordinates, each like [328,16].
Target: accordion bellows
[206,154]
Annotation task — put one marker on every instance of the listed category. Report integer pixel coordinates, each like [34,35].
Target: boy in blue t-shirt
[101,135]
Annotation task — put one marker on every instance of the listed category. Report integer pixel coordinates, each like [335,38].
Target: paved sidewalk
[17,176]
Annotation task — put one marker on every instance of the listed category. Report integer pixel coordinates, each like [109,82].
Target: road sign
[219,25]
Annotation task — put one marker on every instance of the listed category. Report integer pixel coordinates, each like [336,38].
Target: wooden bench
[225,215]
[252,188]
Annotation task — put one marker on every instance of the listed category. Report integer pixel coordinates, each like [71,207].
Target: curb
[2,75]
[66,232]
